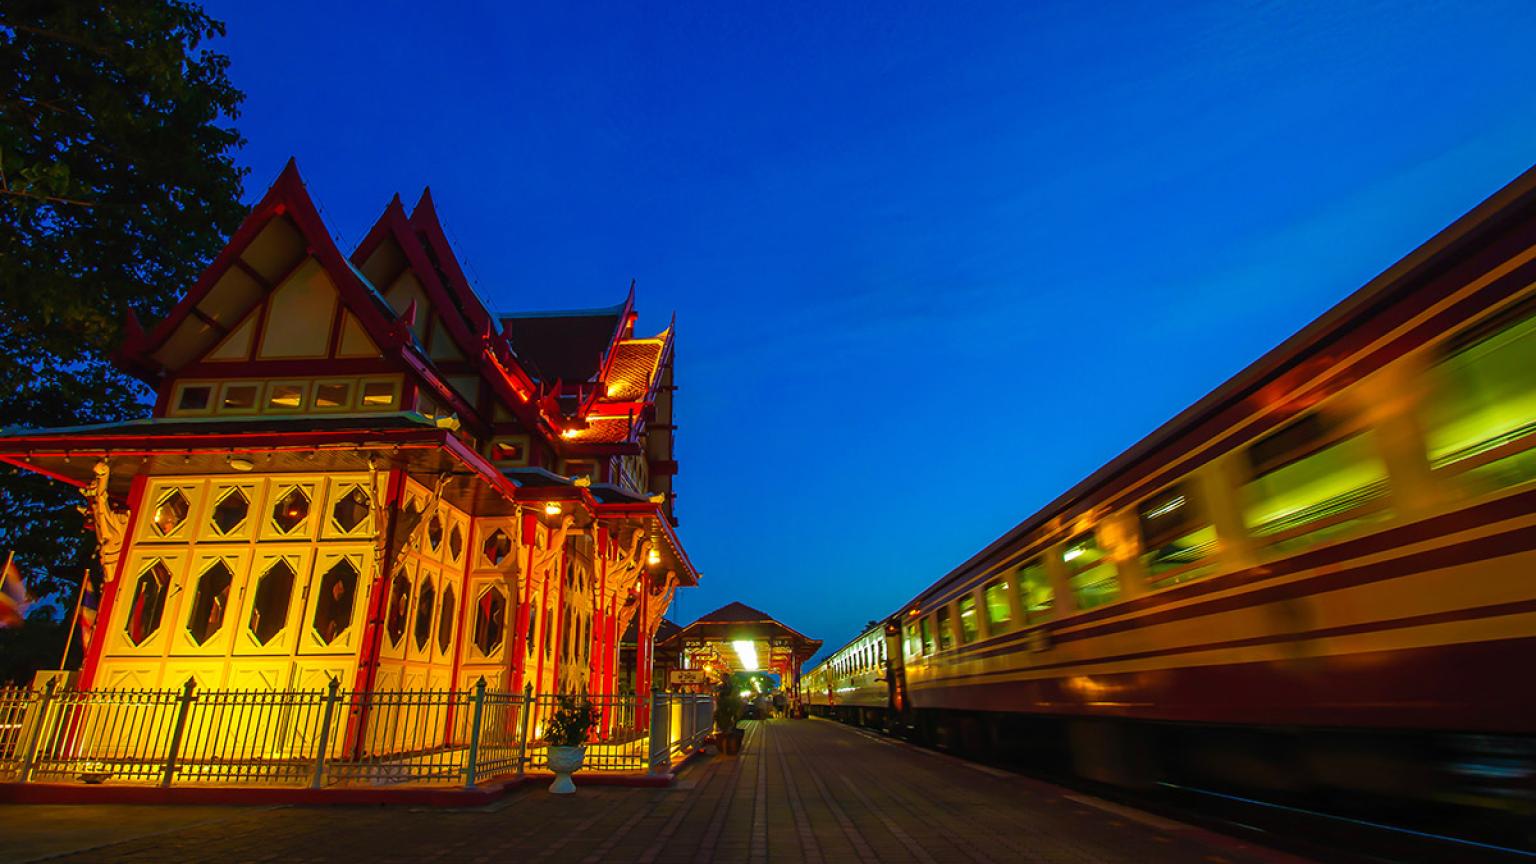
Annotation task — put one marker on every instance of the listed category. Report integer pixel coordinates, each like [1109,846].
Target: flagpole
[74,619]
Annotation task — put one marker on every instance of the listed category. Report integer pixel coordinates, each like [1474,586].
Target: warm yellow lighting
[746,650]
[746,694]
[569,433]
[654,557]
[1074,552]
[552,508]
[241,464]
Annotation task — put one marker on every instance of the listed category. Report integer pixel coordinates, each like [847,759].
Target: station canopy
[737,638]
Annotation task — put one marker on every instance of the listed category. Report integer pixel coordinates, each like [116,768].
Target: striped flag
[85,616]
[13,594]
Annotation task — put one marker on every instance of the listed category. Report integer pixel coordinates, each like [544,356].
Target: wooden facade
[355,471]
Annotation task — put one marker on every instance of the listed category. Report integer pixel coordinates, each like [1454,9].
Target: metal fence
[320,738]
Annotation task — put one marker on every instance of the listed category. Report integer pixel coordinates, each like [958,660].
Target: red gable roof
[393,225]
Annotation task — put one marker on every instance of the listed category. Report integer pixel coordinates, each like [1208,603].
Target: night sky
[929,270]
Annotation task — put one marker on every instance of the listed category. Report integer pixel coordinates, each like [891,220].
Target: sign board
[688,676]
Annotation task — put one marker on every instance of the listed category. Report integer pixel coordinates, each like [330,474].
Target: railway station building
[738,638]
[355,471]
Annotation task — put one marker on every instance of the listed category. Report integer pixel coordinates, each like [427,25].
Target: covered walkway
[802,791]
[736,639]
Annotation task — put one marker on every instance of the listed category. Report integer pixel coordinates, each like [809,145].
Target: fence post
[522,736]
[35,733]
[183,707]
[471,766]
[331,694]
[659,721]
[685,724]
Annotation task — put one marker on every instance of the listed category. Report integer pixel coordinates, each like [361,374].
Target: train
[1316,586]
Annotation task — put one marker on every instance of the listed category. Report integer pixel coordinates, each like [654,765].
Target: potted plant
[565,731]
[727,715]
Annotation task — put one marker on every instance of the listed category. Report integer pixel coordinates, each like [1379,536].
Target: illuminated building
[354,470]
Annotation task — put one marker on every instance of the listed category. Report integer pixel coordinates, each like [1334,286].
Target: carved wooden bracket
[111,526]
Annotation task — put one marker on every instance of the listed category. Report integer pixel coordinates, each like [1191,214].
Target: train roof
[1509,204]
[877,625]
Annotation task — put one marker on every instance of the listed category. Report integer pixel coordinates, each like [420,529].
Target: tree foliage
[117,185]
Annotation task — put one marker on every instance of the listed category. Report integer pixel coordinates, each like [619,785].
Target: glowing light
[1074,552]
[241,464]
[654,557]
[552,508]
[746,650]
[569,433]
[1176,503]
[746,694]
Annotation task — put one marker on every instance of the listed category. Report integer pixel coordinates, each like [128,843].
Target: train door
[898,707]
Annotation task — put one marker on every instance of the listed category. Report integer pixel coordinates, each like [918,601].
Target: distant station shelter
[735,639]
[354,471]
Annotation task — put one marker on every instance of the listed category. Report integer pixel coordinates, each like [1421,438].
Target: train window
[1036,596]
[1312,481]
[969,626]
[1090,572]
[927,628]
[1482,415]
[942,623]
[999,613]
[914,647]
[1176,535]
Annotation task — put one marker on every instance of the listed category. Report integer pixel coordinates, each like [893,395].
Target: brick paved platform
[802,791]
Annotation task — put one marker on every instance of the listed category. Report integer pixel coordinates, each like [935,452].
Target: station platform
[801,791]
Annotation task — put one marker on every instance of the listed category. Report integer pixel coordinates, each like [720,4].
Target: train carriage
[851,684]
[1321,576]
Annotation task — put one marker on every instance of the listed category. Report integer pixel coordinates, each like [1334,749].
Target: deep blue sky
[930,269]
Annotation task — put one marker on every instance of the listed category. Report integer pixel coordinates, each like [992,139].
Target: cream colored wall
[485,578]
[429,562]
[298,655]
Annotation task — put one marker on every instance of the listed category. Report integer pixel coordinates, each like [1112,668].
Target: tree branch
[50,199]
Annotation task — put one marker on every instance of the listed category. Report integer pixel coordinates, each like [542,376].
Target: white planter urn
[563,761]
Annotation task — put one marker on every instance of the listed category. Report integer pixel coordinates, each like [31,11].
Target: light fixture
[552,508]
[746,651]
[240,463]
[653,558]
[569,433]
[1074,552]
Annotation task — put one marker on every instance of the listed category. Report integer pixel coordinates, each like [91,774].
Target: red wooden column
[562,616]
[373,633]
[642,656]
[598,629]
[544,647]
[519,652]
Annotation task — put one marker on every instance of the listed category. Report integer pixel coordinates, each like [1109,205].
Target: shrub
[568,725]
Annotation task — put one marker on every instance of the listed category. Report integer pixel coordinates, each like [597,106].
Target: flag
[13,595]
[90,600]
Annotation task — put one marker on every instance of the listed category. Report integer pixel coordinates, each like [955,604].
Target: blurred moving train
[1316,586]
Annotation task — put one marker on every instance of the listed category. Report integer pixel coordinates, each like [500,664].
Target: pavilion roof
[738,620]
